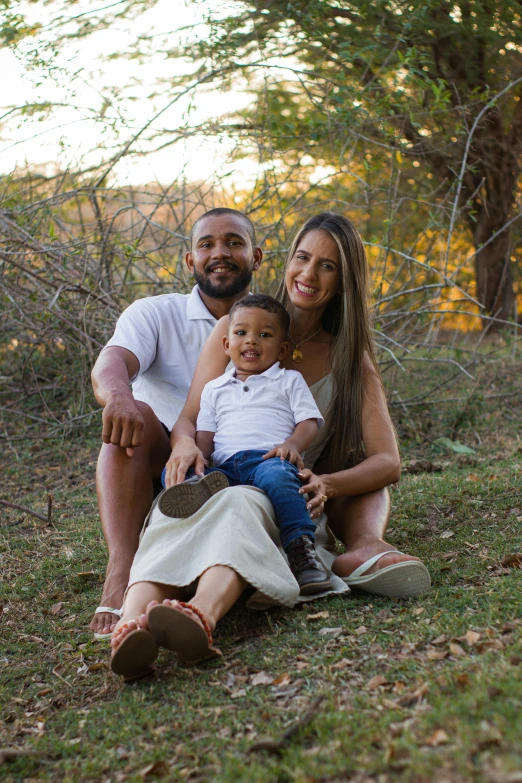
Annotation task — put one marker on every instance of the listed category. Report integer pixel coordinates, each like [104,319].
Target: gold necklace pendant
[297,355]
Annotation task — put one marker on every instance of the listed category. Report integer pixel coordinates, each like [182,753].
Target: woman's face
[313,275]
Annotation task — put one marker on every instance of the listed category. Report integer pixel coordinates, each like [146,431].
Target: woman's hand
[184,455]
[314,486]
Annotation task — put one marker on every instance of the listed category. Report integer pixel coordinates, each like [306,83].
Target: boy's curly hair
[263,302]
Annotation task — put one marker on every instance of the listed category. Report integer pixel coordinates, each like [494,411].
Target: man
[155,347]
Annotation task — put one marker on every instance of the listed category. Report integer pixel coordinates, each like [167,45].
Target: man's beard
[224,290]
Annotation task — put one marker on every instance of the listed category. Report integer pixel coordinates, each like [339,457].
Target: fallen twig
[27,510]
[10,754]
[276,746]
[57,674]
[50,509]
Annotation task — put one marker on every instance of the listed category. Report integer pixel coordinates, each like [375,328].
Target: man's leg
[125,495]
[360,523]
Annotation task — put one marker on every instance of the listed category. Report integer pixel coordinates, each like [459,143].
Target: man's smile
[221,269]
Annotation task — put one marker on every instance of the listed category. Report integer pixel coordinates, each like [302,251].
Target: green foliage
[429,90]
[402,97]
[13,26]
[391,70]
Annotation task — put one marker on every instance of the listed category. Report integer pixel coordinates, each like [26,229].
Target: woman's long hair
[347,318]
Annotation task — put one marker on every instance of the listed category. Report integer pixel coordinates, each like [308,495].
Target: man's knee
[148,414]
[154,446]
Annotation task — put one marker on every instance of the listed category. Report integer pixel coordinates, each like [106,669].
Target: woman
[232,541]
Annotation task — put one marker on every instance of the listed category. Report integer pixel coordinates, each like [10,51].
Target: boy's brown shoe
[183,500]
[308,571]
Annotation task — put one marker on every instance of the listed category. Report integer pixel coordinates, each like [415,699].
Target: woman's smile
[305,290]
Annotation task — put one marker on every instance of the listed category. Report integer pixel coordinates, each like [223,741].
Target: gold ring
[324,498]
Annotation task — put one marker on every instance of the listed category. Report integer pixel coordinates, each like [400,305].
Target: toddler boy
[254,422]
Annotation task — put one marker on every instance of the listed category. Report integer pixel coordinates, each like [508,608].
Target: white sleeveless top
[322,392]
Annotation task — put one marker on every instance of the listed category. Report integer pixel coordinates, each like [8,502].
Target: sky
[100,95]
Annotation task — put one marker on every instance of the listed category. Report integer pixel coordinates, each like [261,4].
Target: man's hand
[316,486]
[122,423]
[287,451]
[185,454]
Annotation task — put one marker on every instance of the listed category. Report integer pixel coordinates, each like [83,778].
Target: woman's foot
[185,608]
[347,563]
[373,568]
[133,647]
[184,629]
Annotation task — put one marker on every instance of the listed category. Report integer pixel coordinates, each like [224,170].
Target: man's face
[222,258]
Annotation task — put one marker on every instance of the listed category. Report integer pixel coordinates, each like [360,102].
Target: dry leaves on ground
[376,682]
[512,560]
[456,650]
[156,770]
[317,616]
[472,637]
[439,737]
[283,679]
[262,678]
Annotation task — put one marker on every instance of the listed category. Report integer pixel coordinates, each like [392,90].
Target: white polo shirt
[259,413]
[166,334]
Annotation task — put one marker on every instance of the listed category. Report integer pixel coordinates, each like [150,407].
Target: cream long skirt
[235,528]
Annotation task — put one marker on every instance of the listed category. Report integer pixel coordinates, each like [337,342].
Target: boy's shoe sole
[183,500]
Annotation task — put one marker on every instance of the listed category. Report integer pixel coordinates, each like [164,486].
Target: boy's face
[255,340]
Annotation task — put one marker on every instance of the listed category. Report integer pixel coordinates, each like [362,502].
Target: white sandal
[103,610]
[408,579]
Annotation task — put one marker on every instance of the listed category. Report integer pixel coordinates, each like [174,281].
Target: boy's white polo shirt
[166,334]
[259,413]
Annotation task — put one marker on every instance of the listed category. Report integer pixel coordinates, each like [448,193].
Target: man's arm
[122,420]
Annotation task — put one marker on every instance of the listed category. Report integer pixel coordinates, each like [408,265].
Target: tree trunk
[493,269]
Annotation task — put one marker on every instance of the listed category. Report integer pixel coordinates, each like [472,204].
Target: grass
[427,690]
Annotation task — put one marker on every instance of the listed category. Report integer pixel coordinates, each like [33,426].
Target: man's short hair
[226,211]
[263,302]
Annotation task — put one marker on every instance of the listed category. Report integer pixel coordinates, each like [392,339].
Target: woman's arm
[211,364]
[382,465]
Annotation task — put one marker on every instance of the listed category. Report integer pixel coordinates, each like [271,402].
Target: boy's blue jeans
[279,480]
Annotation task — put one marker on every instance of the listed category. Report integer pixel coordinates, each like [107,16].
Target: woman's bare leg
[360,523]
[219,587]
[139,596]
[218,590]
